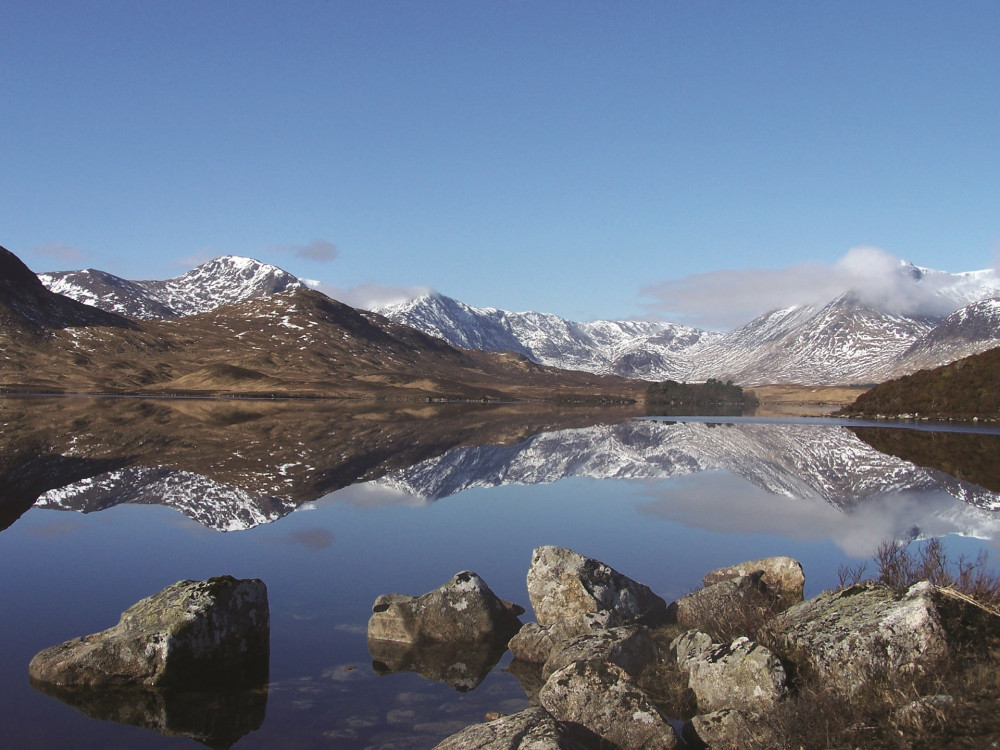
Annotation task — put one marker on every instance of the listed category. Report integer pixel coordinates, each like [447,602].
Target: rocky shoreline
[743,662]
[597,664]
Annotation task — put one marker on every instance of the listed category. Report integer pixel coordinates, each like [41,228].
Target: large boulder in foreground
[781,577]
[462,610]
[742,675]
[849,635]
[531,729]
[193,634]
[563,583]
[606,707]
[631,647]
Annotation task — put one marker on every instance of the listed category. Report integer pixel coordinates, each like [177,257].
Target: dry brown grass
[953,704]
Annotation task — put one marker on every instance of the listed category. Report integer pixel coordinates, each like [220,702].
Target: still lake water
[333,505]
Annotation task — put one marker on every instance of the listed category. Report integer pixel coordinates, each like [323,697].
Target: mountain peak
[228,278]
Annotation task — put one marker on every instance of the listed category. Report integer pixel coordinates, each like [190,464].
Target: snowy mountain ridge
[912,321]
[230,278]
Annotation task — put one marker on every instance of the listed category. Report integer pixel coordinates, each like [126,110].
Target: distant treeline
[711,391]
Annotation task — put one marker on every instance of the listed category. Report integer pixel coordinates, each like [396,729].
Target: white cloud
[368,296]
[731,297]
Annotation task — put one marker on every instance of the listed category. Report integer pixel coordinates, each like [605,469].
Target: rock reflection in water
[216,719]
[462,666]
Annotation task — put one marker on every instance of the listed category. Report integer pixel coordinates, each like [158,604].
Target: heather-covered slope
[964,389]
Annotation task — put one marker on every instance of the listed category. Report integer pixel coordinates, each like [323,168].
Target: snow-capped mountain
[854,338]
[635,349]
[223,280]
[859,337]
[844,341]
[971,330]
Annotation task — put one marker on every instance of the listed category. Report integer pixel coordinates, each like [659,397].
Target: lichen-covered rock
[742,675]
[782,577]
[710,604]
[462,610]
[689,646]
[192,634]
[534,642]
[728,729]
[563,583]
[531,729]
[846,636]
[630,647]
[607,706]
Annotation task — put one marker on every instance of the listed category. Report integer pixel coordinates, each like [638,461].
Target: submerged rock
[563,583]
[460,665]
[192,634]
[462,610]
[217,718]
[533,728]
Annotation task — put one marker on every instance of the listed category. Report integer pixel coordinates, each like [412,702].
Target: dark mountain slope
[28,308]
[965,389]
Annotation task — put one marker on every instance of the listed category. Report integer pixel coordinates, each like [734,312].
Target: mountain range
[848,340]
[294,342]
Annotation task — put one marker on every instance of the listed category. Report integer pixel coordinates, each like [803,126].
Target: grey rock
[630,647]
[701,608]
[741,675]
[462,610]
[534,642]
[690,646]
[782,577]
[728,729]
[563,583]
[531,729]
[192,634]
[846,636]
[607,706]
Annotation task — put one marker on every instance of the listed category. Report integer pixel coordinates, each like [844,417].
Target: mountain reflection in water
[232,465]
[401,497]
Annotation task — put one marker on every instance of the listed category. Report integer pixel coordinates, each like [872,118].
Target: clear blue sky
[554,156]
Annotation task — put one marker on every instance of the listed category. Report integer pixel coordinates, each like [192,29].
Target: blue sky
[590,159]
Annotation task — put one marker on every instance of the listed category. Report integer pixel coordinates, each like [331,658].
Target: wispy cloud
[731,297]
[318,250]
[60,252]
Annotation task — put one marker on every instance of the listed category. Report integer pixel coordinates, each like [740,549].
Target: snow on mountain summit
[636,349]
[230,278]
